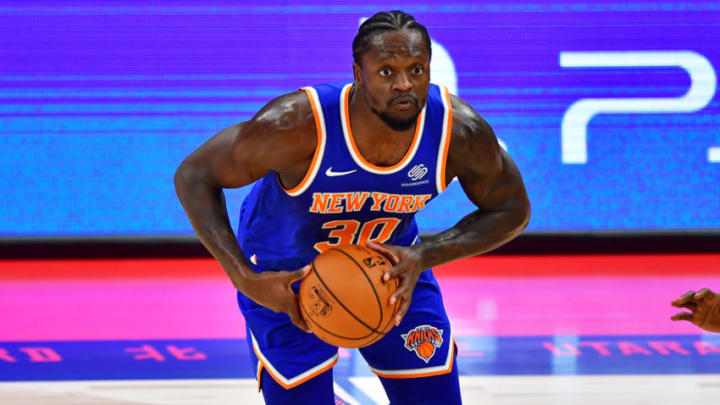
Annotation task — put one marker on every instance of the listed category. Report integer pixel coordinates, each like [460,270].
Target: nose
[402,82]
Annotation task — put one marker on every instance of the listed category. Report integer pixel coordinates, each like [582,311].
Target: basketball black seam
[379,336]
[317,274]
[377,297]
[334,334]
[396,309]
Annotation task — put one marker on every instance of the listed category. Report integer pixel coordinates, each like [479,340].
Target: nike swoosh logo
[331,173]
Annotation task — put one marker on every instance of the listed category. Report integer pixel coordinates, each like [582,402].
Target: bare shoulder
[487,174]
[281,135]
[472,141]
[288,112]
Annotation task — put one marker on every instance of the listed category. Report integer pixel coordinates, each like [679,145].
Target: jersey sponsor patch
[423,340]
[415,183]
[417,172]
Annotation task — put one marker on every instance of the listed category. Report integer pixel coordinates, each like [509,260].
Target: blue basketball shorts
[420,348]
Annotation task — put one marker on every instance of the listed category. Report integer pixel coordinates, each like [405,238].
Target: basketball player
[351,163]
[704,306]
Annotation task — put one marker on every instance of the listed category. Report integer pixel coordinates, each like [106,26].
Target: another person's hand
[406,267]
[704,306]
[272,289]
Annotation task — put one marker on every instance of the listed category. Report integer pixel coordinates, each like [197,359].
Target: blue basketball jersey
[343,198]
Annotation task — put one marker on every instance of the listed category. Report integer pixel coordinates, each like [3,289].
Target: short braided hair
[382,22]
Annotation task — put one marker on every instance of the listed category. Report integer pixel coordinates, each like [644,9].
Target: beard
[396,124]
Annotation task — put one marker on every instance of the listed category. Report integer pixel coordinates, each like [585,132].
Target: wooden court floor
[486,390]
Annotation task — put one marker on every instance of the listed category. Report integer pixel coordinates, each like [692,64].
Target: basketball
[344,299]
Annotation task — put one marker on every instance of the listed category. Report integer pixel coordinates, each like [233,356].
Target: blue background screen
[610,109]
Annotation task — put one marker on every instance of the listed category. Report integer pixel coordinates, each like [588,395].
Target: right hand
[272,289]
[704,306]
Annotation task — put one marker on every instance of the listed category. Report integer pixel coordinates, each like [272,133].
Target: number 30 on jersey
[350,231]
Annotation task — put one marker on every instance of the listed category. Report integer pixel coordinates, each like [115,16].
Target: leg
[292,367]
[416,360]
[437,390]
[318,390]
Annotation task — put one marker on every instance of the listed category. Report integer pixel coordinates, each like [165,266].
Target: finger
[394,298]
[685,298]
[406,284]
[401,292]
[299,274]
[404,306]
[394,258]
[703,294]
[692,306]
[392,273]
[298,320]
[682,316]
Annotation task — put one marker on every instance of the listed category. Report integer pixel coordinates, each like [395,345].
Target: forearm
[476,233]
[205,206]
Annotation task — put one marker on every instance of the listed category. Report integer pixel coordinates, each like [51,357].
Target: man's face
[394,75]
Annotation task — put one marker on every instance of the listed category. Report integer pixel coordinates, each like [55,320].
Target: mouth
[404,102]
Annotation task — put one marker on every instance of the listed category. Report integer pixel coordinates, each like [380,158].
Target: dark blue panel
[120,360]
[229,358]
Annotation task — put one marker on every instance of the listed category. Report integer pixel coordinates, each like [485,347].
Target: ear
[356,74]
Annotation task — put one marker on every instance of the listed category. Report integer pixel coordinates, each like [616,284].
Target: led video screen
[610,109]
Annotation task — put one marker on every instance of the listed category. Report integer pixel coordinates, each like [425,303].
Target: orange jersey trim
[416,373]
[259,373]
[445,143]
[280,379]
[319,149]
[419,125]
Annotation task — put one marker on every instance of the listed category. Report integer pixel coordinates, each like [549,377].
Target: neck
[367,123]
[377,142]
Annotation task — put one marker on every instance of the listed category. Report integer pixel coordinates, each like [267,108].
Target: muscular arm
[491,181]
[199,182]
[280,138]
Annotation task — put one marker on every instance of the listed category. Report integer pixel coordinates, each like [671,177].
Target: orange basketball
[425,349]
[344,299]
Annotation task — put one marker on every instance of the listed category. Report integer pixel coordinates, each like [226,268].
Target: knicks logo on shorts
[423,340]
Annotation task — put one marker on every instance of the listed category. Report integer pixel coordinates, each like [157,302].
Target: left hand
[704,306]
[407,269]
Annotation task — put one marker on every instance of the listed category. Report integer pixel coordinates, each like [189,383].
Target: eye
[417,70]
[385,72]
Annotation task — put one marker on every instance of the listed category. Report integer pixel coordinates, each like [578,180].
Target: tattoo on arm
[491,181]
[467,238]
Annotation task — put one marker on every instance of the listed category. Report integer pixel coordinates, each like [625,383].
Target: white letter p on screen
[703,83]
